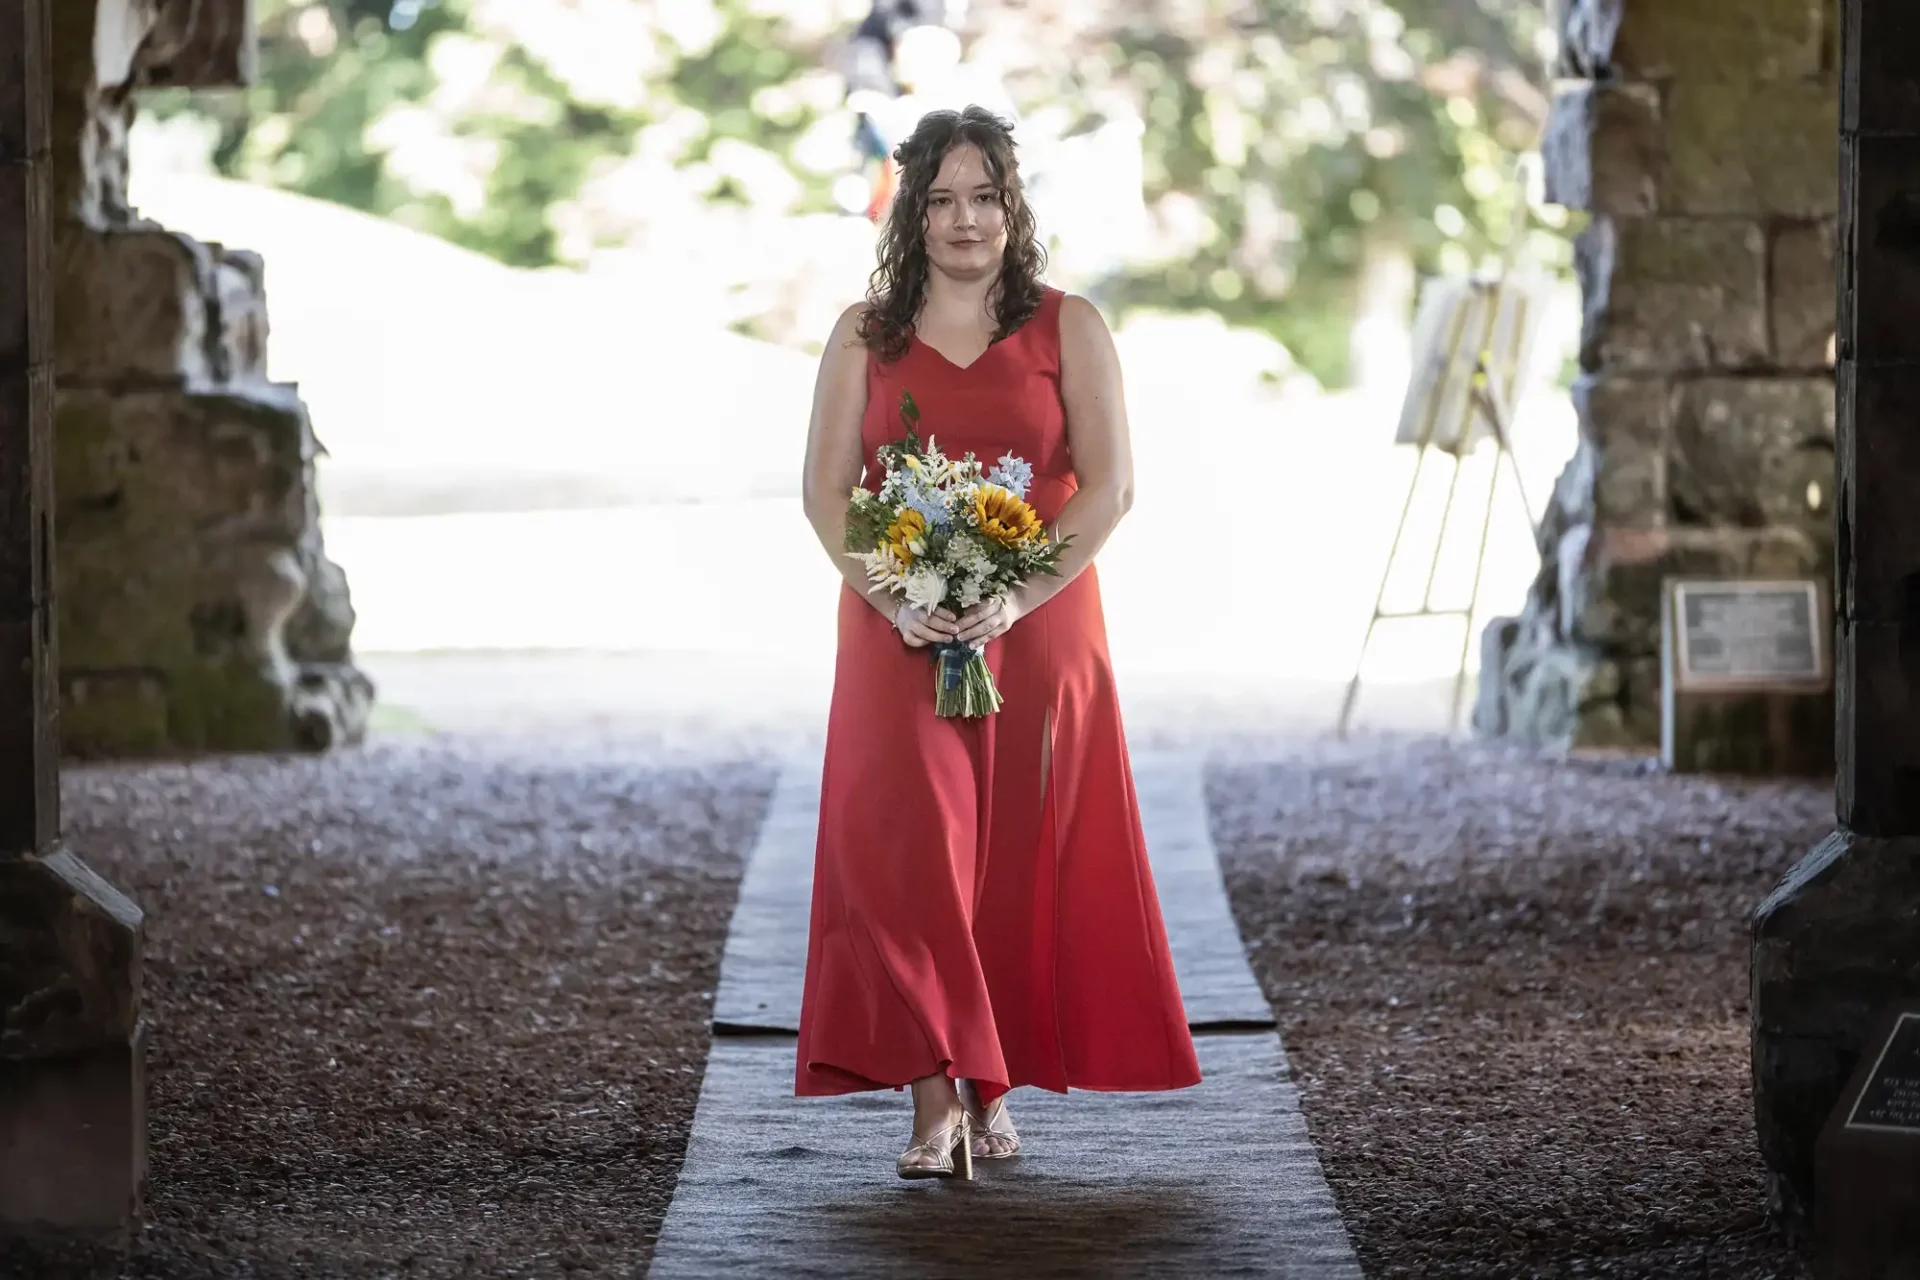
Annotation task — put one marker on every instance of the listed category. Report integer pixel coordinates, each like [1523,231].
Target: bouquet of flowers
[949,533]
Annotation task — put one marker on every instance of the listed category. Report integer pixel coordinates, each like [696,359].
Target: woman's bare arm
[835,458]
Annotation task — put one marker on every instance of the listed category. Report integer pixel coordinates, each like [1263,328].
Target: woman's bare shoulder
[846,330]
[1078,315]
[845,345]
[1082,327]
[847,327]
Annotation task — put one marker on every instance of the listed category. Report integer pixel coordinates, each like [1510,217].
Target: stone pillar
[72,1089]
[1700,137]
[198,608]
[1840,936]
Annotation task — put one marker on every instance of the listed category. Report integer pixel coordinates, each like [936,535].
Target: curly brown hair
[899,283]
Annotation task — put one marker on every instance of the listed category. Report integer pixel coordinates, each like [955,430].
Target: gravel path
[440,1008]
[1514,992]
[421,1010]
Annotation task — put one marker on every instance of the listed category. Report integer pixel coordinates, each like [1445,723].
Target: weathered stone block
[1694,39]
[1749,147]
[1602,148]
[112,619]
[239,348]
[1753,452]
[1640,698]
[1625,421]
[1801,297]
[1489,701]
[89,127]
[206,45]
[132,307]
[322,630]
[198,610]
[121,713]
[1610,580]
[1570,504]
[181,465]
[1833,945]
[181,517]
[1552,694]
[1879,564]
[1880,224]
[220,706]
[331,706]
[1664,294]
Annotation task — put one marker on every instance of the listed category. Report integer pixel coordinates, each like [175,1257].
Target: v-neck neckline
[949,360]
[991,345]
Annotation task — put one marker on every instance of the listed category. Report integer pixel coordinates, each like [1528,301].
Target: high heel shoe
[954,1146]
[984,1128]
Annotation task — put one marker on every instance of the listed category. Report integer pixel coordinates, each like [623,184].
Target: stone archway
[197,609]
[1699,138]
[1831,945]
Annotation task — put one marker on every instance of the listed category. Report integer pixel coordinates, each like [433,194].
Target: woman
[983,914]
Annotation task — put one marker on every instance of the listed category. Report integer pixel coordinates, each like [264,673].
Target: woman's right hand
[919,628]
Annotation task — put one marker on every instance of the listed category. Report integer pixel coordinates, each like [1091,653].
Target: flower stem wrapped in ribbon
[949,533]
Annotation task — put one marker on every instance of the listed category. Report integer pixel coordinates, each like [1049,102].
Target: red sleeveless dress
[964,921]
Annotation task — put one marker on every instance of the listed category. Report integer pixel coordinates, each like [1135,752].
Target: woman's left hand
[989,621]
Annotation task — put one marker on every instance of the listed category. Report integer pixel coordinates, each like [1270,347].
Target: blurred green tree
[1294,140]
[1286,140]
[444,115]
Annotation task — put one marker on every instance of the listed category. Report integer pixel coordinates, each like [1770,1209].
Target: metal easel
[1475,334]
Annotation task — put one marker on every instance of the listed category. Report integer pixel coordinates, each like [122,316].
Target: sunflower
[1005,518]
[904,534]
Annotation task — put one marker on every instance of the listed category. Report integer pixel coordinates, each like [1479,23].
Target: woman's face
[966,223]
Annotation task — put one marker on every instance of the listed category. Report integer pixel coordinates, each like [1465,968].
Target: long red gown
[963,921]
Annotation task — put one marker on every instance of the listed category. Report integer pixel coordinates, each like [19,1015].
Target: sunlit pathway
[1218,1180]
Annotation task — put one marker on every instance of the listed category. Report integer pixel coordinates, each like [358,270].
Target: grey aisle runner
[1216,1180]
[766,955]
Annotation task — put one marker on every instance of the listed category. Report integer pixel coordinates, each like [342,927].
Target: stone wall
[197,609]
[1702,138]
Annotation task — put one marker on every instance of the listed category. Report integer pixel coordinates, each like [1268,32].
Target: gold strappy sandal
[984,1128]
[952,1144]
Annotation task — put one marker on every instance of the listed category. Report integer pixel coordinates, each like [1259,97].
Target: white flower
[926,588]
[969,593]
[967,556]
[884,568]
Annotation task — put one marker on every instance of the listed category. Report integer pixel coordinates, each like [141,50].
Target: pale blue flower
[929,504]
[1015,475]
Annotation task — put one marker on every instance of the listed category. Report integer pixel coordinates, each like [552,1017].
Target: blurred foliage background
[1289,146]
